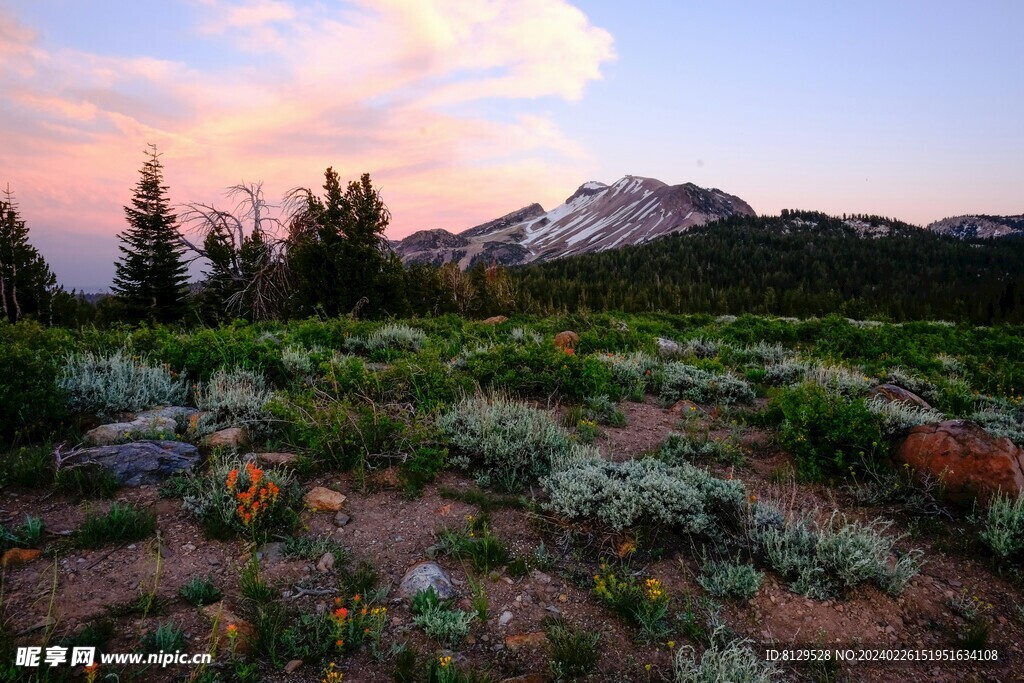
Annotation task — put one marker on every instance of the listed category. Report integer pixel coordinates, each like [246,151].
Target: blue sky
[463,111]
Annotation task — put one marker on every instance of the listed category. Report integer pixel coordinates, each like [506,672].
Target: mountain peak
[596,217]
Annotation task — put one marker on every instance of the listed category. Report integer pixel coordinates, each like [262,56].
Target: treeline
[325,254]
[797,264]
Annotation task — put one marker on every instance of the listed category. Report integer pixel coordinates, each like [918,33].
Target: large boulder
[971,463]
[157,423]
[141,462]
[896,394]
[495,320]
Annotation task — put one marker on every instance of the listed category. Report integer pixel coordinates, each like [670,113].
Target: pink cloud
[367,89]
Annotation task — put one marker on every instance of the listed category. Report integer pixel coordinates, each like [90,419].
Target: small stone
[326,563]
[505,617]
[563,598]
[540,577]
[292,666]
[132,547]
[470,640]
[522,641]
[213,561]
[16,556]
[321,498]
[840,608]
[188,547]
[341,519]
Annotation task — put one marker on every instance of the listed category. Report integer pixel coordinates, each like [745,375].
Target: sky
[464,110]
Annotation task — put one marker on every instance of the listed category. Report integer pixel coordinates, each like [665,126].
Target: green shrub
[475,543]
[508,443]
[1003,525]
[603,410]
[215,499]
[645,604]
[421,468]
[724,660]
[116,382]
[727,579]
[1001,418]
[121,524]
[540,371]
[234,398]
[200,591]
[682,381]
[822,560]
[32,405]
[896,417]
[644,491]
[574,652]
[87,480]
[165,637]
[679,448]
[30,467]
[632,373]
[390,337]
[438,620]
[826,432]
[27,535]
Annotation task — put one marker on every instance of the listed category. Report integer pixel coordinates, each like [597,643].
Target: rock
[566,340]
[275,459]
[426,575]
[341,519]
[668,347]
[271,552]
[119,432]
[540,577]
[326,563]
[321,498]
[505,617]
[225,618]
[971,463]
[523,641]
[142,462]
[232,438]
[528,678]
[685,408]
[495,320]
[16,556]
[292,666]
[895,394]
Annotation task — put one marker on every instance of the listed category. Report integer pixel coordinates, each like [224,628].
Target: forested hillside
[798,264]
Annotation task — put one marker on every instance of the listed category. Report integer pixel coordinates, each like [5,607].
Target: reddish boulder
[566,340]
[897,394]
[495,320]
[970,462]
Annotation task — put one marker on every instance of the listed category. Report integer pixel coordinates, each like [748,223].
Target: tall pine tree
[152,274]
[26,283]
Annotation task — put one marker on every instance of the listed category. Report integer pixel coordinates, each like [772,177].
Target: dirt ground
[393,532]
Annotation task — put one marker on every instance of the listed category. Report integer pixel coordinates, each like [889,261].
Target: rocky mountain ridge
[595,217]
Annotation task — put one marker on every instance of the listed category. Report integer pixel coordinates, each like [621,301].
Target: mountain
[799,263]
[595,218]
[984,227]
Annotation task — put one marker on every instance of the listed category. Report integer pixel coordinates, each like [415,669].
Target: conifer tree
[152,273]
[26,282]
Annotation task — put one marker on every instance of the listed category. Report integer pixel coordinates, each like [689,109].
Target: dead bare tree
[246,249]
